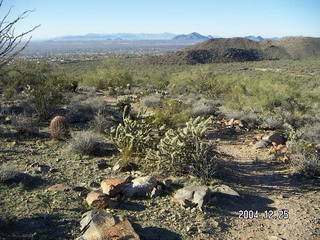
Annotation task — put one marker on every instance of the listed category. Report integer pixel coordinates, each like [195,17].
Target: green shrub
[183,151]
[111,74]
[171,114]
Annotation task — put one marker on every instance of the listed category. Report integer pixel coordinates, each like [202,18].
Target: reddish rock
[99,225]
[97,199]
[113,186]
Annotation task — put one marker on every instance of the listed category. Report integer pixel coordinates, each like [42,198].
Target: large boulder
[192,196]
[99,225]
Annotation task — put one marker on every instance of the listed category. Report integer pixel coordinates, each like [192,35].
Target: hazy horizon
[229,18]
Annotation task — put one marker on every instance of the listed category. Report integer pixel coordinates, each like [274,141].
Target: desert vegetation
[128,118]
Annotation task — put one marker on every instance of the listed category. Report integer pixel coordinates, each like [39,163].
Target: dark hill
[242,49]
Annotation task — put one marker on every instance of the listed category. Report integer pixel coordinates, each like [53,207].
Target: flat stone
[191,196]
[225,190]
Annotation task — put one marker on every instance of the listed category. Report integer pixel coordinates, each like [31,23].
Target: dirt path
[266,185]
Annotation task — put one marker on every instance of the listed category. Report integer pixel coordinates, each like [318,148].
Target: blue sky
[226,18]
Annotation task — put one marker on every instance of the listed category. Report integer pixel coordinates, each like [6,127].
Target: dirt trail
[266,185]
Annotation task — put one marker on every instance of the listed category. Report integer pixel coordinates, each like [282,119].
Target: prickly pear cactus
[59,128]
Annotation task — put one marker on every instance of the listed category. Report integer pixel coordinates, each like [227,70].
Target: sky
[225,18]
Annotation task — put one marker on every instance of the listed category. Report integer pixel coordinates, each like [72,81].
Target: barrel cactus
[59,128]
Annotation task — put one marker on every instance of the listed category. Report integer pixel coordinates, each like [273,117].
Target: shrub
[204,108]
[84,143]
[112,74]
[311,133]
[102,123]
[152,101]
[306,161]
[24,125]
[183,151]
[80,113]
[171,114]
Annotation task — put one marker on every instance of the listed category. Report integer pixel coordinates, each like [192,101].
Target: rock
[59,188]
[191,196]
[114,186]
[97,199]
[156,191]
[225,190]
[42,169]
[99,224]
[102,164]
[167,183]
[191,228]
[94,185]
[121,166]
[262,144]
[140,186]
[276,138]
[79,188]
[53,170]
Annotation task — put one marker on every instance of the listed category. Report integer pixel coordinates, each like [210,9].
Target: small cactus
[59,128]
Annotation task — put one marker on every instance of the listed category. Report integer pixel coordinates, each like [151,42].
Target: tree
[11,44]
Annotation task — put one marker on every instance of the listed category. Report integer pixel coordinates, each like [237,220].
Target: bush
[44,89]
[171,114]
[151,101]
[80,113]
[183,151]
[112,74]
[102,123]
[311,133]
[306,161]
[24,125]
[204,108]
[84,143]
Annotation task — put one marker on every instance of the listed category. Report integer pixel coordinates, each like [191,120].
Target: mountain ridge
[242,49]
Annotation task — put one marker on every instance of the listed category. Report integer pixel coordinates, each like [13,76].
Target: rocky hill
[242,49]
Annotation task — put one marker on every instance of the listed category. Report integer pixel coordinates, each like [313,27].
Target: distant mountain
[254,38]
[117,36]
[191,36]
[242,49]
